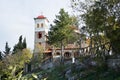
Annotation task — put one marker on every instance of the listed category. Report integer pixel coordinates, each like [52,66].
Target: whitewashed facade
[41,31]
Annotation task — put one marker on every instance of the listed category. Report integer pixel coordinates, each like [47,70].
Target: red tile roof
[41,17]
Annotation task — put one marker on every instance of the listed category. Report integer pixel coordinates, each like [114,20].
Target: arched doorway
[57,54]
[67,55]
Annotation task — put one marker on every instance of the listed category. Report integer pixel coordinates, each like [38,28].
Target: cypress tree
[20,45]
[1,55]
[7,49]
[24,43]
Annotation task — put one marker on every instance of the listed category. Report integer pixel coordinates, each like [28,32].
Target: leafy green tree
[37,58]
[16,61]
[7,49]
[94,20]
[102,17]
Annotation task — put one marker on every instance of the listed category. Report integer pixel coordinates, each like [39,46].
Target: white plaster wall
[43,30]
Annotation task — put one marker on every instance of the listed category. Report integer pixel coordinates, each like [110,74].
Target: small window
[39,43]
[41,24]
[37,25]
[39,35]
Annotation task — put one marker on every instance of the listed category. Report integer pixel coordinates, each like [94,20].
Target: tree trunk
[62,55]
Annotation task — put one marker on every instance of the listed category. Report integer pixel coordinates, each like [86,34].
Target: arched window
[67,54]
[41,24]
[37,25]
[39,35]
[39,43]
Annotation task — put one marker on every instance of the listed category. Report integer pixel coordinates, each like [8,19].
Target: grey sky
[16,18]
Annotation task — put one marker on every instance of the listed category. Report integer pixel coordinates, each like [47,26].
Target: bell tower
[41,31]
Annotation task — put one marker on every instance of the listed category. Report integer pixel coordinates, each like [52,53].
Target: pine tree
[62,30]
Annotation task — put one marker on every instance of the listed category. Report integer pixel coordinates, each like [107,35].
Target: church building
[40,39]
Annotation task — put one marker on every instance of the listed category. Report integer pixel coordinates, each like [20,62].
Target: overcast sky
[16,18]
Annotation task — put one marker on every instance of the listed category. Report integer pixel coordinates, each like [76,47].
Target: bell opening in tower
[39,35]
